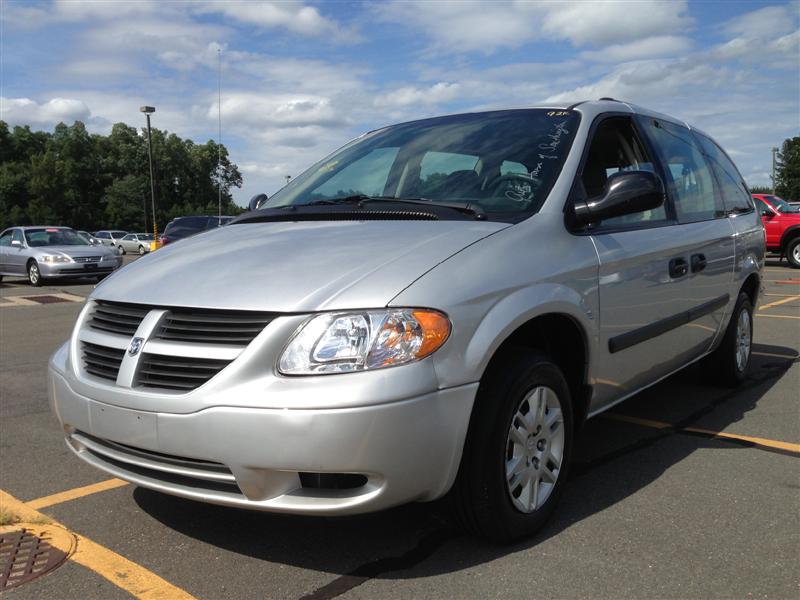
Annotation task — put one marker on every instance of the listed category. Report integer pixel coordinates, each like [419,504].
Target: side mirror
[16,243]
[256,201]
[626,193]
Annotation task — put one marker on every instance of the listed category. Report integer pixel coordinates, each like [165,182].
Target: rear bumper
[254,457]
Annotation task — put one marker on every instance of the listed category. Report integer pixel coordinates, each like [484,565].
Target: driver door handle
[678,267]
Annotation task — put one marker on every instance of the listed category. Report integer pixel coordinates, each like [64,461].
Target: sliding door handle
[698,262]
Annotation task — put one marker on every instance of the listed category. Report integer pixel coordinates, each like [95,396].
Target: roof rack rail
[610,99]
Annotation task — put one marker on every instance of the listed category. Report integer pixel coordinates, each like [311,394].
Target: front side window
[102,235]
[734,191]
[616,148]
[456,159]
[17,236]
[130,237]
[691,181]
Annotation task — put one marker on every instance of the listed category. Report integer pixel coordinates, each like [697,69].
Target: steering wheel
[511,192]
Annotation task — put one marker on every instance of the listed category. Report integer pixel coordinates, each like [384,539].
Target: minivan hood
[293,266]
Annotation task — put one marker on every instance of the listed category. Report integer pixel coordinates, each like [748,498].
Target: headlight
[56,258]
[359,341]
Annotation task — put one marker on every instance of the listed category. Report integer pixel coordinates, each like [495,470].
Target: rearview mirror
[626,193]
[256,201]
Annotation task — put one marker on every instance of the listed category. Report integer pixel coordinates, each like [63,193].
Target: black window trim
[577,191]
[728,213]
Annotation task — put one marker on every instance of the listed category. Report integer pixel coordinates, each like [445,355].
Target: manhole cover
[45,299]
[29,552]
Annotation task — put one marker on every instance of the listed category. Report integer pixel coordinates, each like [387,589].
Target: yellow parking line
[72,494]
[120,571]
[777,302]
[718,434]
[779,316]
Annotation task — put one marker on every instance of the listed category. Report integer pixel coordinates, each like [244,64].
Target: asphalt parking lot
[685,490]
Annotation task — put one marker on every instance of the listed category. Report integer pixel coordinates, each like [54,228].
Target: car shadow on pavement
[412,541]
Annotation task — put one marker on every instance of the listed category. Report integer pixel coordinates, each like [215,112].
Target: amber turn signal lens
[435,331]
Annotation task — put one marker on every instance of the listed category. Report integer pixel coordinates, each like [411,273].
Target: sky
[300,79]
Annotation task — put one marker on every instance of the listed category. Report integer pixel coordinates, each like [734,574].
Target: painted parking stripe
[778,316]
[123,573]
[763,442]
[30,300]
[779,302]
[774,355]
[66,496]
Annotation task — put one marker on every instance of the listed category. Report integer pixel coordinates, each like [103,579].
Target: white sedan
[135,242]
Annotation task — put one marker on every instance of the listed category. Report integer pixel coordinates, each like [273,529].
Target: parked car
[110,237]
[183,227]
[92,240]
[782,225]
[43,252]
[135,242]
[432,310]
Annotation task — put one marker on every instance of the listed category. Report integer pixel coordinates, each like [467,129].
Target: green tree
[787,173]
[123,199]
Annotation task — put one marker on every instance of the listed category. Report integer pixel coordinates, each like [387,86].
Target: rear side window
[734,191]
[691,181]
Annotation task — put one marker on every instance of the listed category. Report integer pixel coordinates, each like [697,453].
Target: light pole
[147,110]
[774,161]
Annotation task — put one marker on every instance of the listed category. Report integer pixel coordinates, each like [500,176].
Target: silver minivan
[431,311]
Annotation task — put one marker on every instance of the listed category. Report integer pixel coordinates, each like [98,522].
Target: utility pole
[774,165]
[219,138]
[147,110]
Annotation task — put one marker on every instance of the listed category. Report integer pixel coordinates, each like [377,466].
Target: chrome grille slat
[117,318]
[212,326]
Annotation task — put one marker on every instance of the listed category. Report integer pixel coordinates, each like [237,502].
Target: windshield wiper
[362,199]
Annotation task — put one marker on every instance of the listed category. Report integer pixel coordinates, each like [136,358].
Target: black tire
[793,252]
[722,365]
[34,274]
[481,498]
[120,250]
[141,250]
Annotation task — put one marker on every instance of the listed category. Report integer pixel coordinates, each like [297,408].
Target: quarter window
[734,191]
[691,180]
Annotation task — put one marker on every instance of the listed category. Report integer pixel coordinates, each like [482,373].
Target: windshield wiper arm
[469,208]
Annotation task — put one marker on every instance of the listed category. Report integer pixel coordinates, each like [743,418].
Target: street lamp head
[147,109]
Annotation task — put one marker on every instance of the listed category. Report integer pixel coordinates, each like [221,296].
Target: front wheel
[793,252]
[729,364]
[34,275]
[141,250]
[518,449]
[120,250]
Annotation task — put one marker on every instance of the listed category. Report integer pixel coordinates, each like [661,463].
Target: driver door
[17,255]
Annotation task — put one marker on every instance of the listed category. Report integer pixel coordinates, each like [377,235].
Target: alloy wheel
[743,340]
[534,449]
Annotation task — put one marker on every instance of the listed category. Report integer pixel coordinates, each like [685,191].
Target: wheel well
[564,342]
[789,236]
[750,287]
[28,264]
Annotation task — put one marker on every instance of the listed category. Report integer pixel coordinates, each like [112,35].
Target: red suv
[782,223]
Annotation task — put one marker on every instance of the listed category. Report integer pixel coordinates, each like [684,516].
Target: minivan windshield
[51,236]
[501,162]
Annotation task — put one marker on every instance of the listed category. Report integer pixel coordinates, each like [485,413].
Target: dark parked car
[183,227]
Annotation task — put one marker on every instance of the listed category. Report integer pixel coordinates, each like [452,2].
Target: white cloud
[766,22]
[292,15]
[264,110]
[414,96]
[652,47]
[485,26]
[24,111]
[614,22]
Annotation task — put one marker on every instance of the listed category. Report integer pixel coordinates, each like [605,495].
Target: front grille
[117,317]
[176,372]
[101,361]
[84,271]
[213,326]
[83,259]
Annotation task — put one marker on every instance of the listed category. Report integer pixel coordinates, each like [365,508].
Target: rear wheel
[34,275]
[793,252]
[517,451]
[730,363]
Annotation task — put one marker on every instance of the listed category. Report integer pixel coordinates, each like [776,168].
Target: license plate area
[123,425]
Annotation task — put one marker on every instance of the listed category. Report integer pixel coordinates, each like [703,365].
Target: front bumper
[74,270]
[263,458]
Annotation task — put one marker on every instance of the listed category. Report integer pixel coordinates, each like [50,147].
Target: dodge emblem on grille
[136,345]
